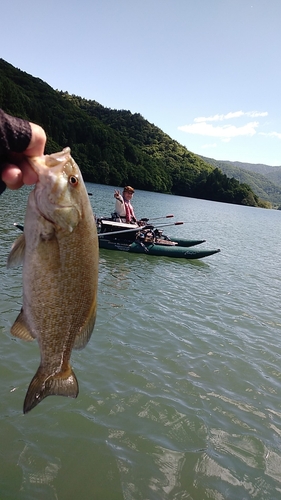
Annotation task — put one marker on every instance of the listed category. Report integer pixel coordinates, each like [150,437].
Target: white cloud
[226,132]
[254,114]
[202,125]
[217,118]
[271,134]
[229,116]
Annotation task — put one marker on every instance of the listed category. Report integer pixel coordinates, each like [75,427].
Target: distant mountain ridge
[271,173]
[264,180]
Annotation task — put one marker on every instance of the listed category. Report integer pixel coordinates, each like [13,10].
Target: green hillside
[116,147]
[271,173]
[262,179]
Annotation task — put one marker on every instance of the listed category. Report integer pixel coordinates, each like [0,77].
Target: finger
[37,142]
[12,176]
[29,176]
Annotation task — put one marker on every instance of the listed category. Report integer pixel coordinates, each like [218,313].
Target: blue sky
[207,72]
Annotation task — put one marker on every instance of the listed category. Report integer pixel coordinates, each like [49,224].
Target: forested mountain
[116,147]
[262,179]
[271,173]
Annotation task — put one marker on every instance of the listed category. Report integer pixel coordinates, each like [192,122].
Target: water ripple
[180,383]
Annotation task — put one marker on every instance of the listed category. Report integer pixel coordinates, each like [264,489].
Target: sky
[206,72]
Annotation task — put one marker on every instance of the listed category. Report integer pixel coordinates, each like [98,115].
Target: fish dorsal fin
[84,335]
[20,328]
[16,255]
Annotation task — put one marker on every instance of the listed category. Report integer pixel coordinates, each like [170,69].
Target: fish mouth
[56,207]
[46,204]
[46,218]
[62,217]
[55,161]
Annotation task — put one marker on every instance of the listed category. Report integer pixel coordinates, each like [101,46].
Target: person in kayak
[123,207]
[18,139]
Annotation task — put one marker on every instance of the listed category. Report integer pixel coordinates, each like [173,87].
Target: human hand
[116,194]
[17,171]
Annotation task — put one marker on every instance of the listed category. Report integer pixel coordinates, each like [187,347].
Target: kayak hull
[174,251]
[188,243]
[177,248]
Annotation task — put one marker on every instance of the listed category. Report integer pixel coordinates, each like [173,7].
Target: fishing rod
[173,224]
[140,228]
[134,229]
[145,219]
[113,233]
[110,233]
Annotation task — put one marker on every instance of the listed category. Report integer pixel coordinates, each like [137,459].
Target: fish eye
[73,180]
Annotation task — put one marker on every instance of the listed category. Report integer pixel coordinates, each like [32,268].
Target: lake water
[180,383]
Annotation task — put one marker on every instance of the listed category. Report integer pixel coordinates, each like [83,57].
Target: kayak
[187,243]
[161,250]
[147,240]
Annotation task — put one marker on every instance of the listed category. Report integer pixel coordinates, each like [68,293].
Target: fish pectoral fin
[20,328]
[84,335]
[16,255]
[42,385]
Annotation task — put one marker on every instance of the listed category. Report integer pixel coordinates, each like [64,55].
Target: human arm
[118,196]
[119,204]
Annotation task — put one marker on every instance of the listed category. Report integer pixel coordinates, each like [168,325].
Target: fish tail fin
[43,385]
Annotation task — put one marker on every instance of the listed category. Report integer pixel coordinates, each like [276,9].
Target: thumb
[37,143]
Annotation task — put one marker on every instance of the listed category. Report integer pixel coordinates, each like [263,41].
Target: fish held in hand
[59,252]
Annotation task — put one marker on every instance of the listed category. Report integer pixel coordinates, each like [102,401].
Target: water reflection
[37,470]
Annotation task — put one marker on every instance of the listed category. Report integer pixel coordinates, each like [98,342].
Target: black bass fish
[59,252]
